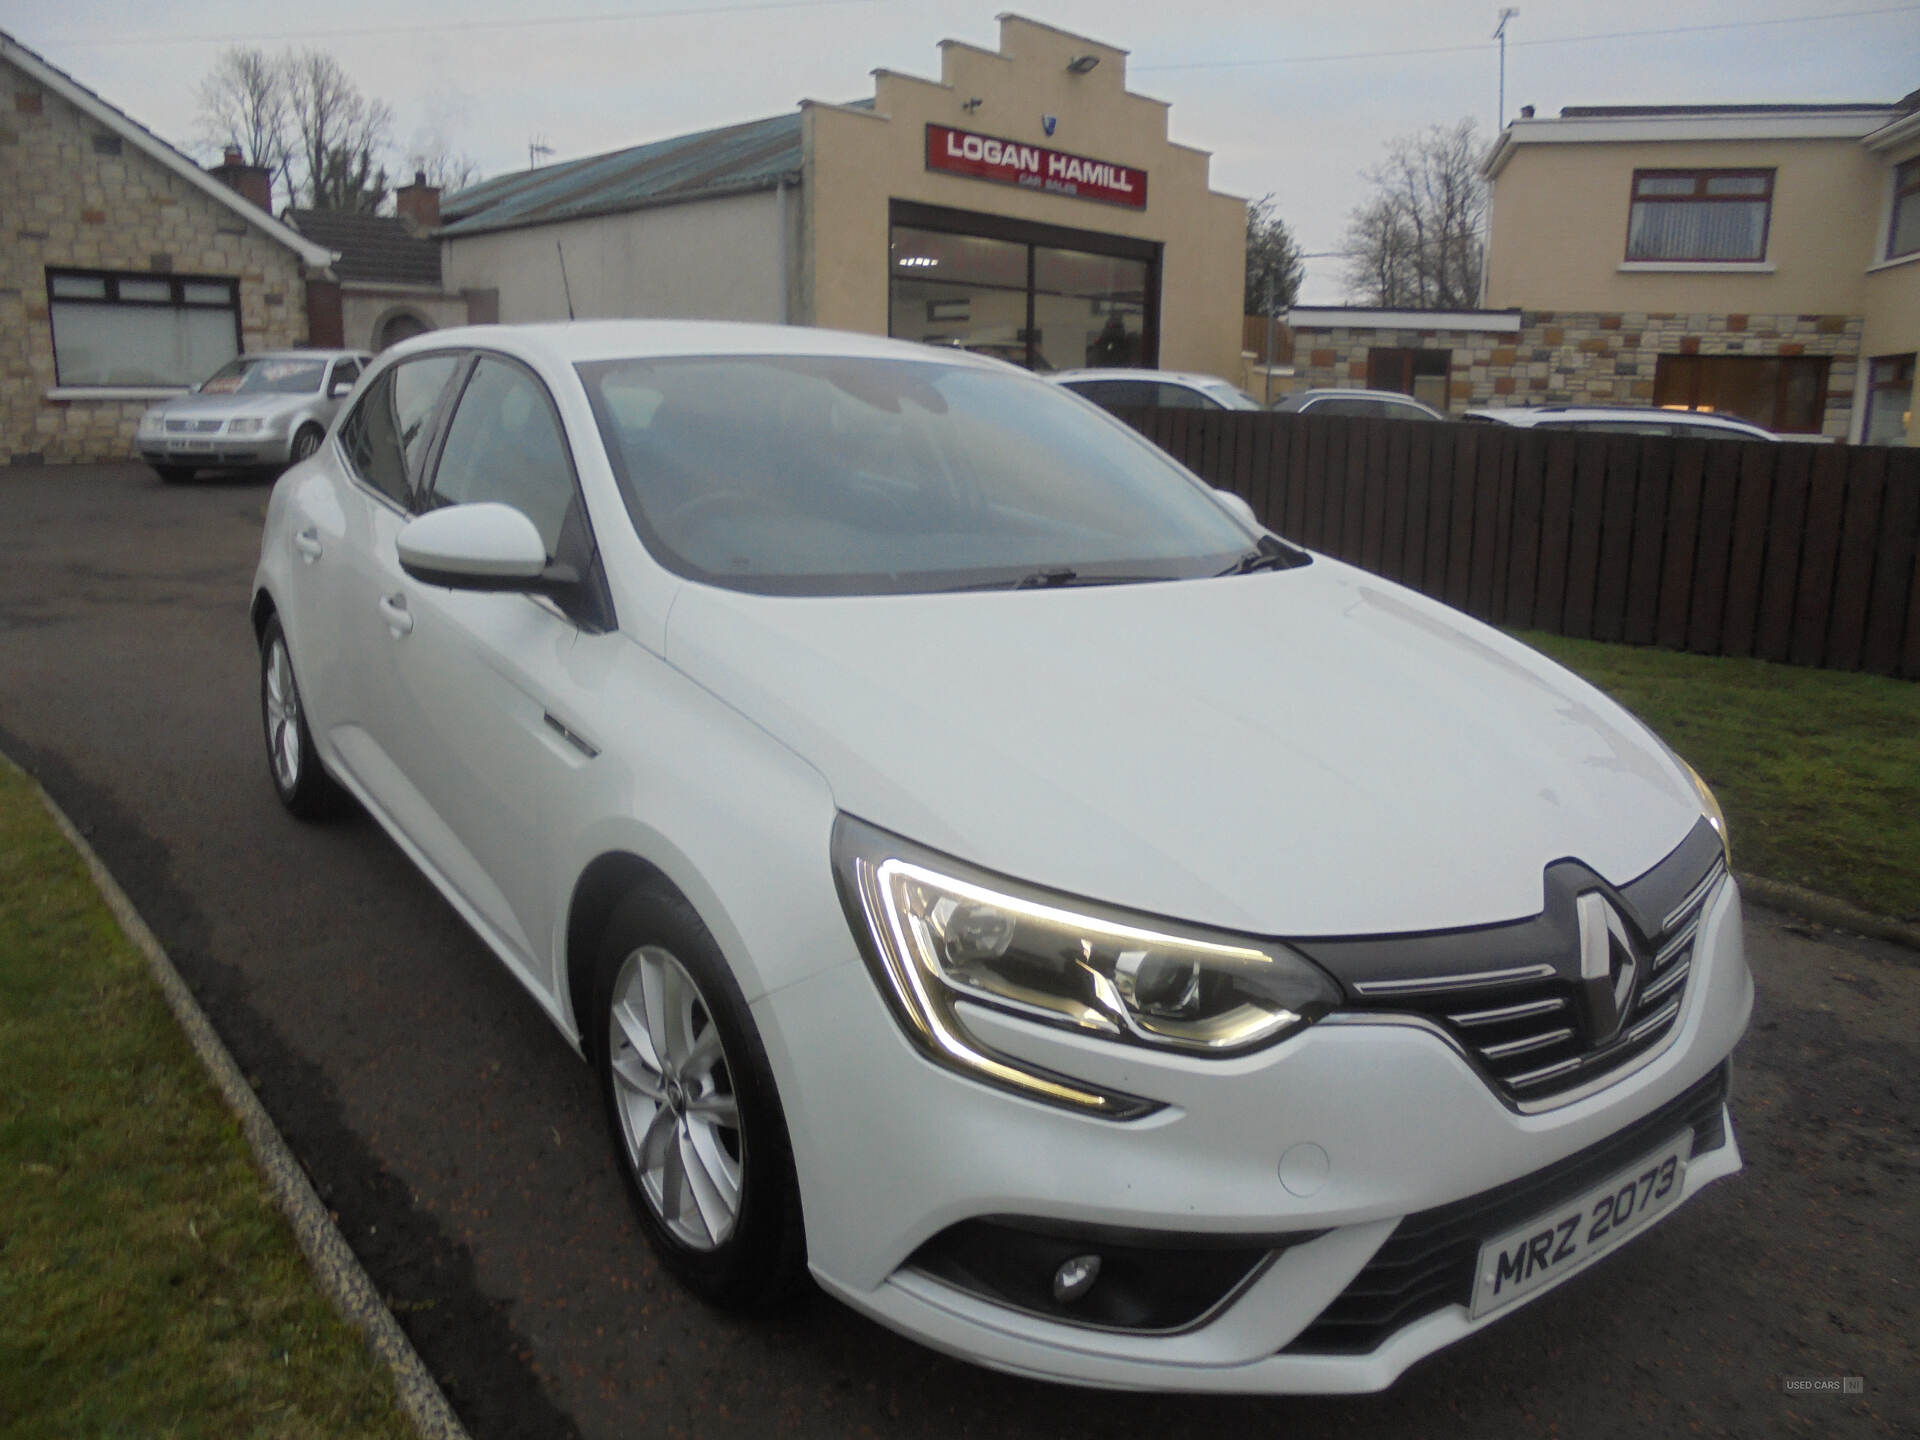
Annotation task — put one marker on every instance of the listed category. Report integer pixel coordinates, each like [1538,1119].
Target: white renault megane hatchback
[987,871]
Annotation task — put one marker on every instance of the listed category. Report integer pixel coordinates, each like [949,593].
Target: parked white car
[1622,420]
[1164,389]
[270,409]
[985,871]
[1357,404]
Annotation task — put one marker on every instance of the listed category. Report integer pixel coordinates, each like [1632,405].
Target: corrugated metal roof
[755,156]
[382,249]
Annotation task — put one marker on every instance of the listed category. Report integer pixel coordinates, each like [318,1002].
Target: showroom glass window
[1786,394]
[1903,229]
[111,328]
[1040,296]
[1700,215]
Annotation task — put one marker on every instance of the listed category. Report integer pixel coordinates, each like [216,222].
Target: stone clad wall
[70,201]
[1565,358]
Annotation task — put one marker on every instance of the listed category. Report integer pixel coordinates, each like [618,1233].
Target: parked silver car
[1623,420]
[270,409]
[1176,389]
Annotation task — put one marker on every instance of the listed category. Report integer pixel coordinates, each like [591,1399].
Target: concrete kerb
[1812,905]
[336,1269]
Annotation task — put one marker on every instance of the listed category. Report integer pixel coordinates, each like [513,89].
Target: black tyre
[696,1123]
[174,474]
[298,779]
[306,440]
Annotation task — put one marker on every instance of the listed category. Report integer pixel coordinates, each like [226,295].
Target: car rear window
[816,475]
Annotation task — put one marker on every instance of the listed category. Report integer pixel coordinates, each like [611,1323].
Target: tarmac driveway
[460,1141]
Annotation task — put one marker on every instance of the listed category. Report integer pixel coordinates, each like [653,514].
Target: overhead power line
[1483,45]
[446,27]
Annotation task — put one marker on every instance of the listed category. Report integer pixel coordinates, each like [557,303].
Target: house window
[1889,400]
[140,330]
[1903,232]
[1783,393]
[1700,215]
[1419,373]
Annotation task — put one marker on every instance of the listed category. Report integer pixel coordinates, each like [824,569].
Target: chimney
[1526,112]
[418,203]
[253,183]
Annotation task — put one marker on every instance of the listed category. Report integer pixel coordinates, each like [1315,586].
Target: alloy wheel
[674,1092]
[282,700]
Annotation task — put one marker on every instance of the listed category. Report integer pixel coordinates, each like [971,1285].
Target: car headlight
[1716,817]
[938,934]
[246,425]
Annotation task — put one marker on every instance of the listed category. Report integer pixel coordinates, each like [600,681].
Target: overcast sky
[1296,100]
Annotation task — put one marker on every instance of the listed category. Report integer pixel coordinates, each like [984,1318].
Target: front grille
[193,427]
[1526,1026]
[1427,1263]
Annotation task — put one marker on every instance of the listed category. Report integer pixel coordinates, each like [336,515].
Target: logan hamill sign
[1033,167]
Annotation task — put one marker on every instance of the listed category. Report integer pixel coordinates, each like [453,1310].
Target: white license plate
[189,447]
[1530,1256]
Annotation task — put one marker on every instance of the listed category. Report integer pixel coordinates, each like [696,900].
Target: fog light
[1074,1278]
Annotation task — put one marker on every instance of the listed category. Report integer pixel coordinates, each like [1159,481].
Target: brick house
[1759,260]
[127,272]
[389,269]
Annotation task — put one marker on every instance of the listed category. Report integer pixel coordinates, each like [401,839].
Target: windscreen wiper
[1265,556]
[1046,579]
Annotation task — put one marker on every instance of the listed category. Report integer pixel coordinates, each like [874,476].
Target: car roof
[1121,372]
[1534,414]
[303,355]
[1354,392]
[585,341]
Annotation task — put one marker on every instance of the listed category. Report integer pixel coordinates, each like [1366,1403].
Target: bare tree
[1274,265]
[1416,241]
[446,168]
[243,104]
[342,136]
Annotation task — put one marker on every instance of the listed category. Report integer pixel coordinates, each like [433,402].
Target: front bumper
[892,1151]
[214,452]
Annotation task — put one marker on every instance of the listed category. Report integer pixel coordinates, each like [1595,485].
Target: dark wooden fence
[1790,552]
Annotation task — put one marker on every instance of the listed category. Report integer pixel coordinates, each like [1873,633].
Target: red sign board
[1012,162]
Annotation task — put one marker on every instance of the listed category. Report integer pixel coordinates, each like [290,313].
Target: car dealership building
[1025,204]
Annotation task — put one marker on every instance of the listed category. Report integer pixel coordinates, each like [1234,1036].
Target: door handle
[393,610]
[307,542]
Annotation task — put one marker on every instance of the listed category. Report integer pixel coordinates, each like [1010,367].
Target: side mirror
[340,389]
[1239,506]
[484,546]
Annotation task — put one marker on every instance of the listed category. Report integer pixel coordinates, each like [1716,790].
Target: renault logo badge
[1609,966]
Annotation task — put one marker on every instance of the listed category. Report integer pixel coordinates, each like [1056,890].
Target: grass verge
[148,1286]
[1818,771]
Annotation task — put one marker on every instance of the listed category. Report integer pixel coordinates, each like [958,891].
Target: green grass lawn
[1818,771]
[148,1286]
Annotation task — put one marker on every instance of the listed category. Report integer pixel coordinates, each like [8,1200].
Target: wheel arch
[607,879]
[262,610]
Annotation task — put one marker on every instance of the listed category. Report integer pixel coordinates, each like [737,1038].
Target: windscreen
[266,377]
[832,476]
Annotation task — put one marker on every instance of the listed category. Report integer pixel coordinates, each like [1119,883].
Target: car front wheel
[306,440]
[697,1126]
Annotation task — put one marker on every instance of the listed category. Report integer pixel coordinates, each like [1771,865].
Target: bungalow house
[127,272]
